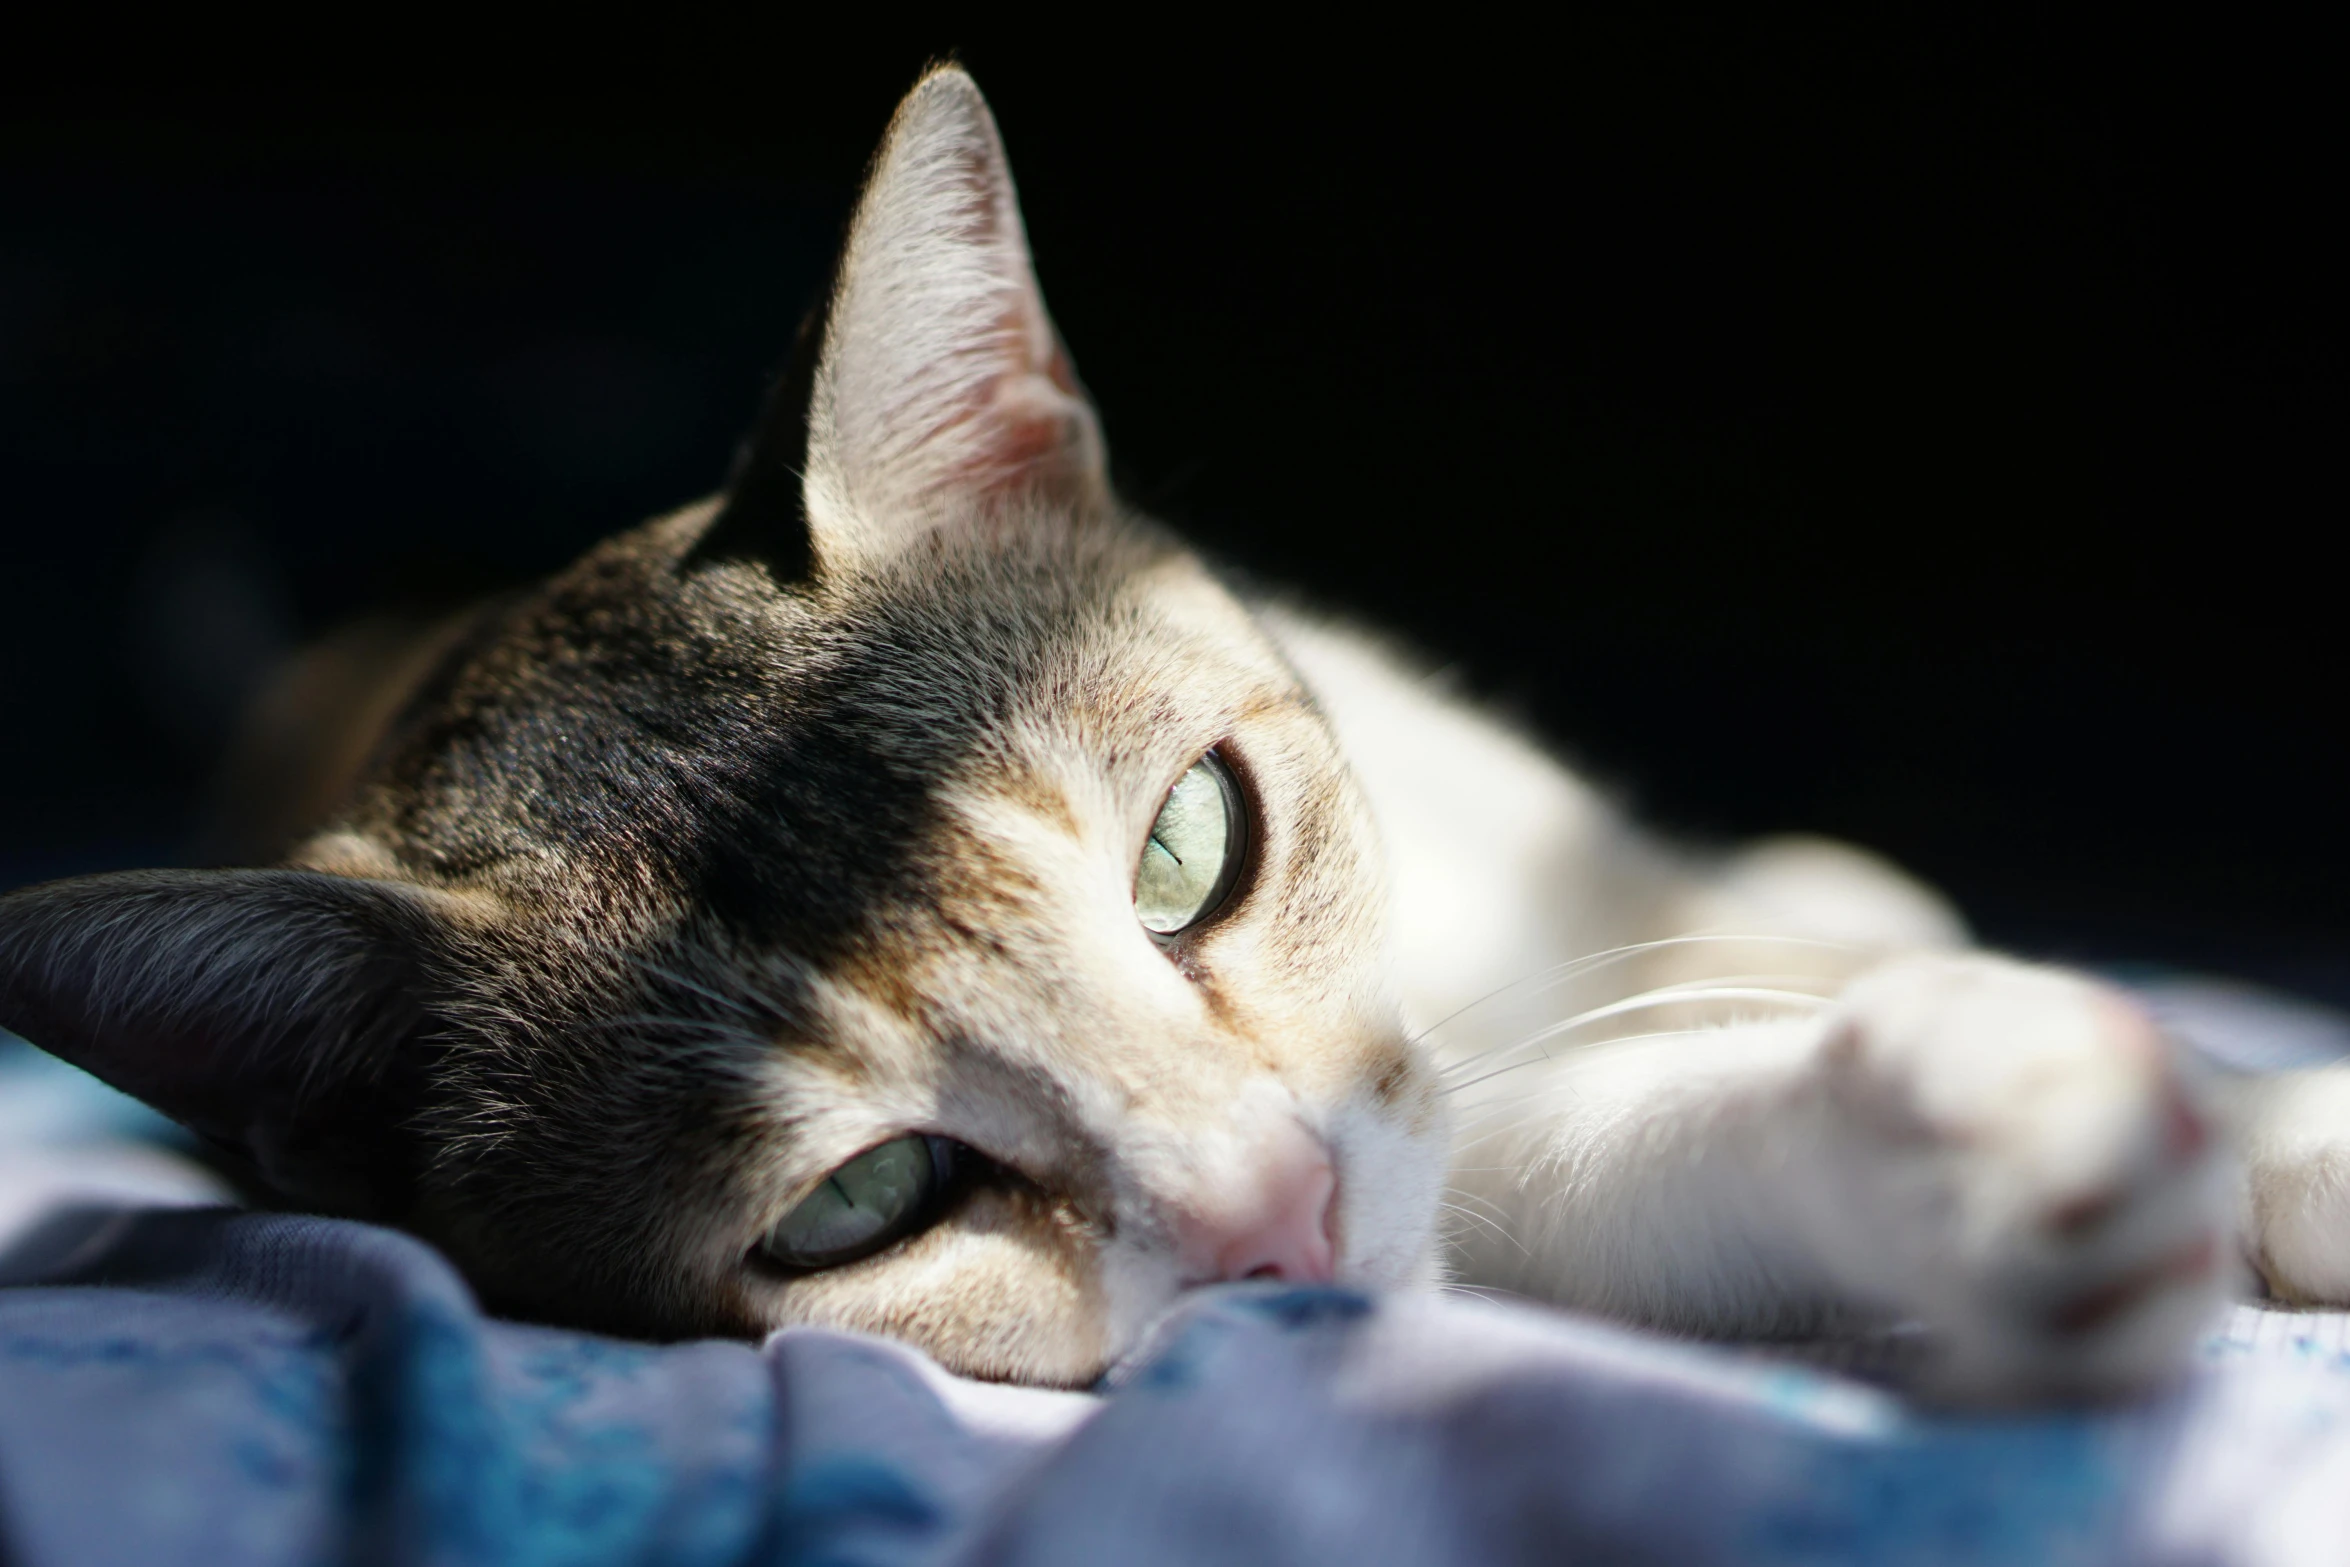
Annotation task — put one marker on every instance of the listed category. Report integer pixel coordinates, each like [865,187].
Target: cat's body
[784,915]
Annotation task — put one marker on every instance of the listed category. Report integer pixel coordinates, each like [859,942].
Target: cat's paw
[2297,1185]
[2027,1172]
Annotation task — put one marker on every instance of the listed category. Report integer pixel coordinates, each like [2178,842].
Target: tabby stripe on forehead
[834,820]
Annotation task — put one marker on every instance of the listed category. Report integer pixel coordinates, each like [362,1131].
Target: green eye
[1194,849]
[882,1194]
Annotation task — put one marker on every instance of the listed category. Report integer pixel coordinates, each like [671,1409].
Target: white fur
[1818,1109]
[2295,1133]
[1761,1093]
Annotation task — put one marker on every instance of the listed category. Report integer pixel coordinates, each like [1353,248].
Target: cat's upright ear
[279,1014]
[929,387]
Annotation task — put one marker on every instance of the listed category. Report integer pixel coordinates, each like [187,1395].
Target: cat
[913,892]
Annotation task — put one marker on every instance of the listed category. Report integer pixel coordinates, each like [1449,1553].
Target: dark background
[1935,439]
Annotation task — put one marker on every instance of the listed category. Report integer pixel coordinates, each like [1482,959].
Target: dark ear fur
[764,516]
[279,1014]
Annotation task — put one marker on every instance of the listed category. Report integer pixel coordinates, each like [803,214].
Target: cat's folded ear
[929,388]
[279,1014]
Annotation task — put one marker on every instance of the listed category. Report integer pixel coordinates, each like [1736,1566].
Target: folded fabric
[209,1386]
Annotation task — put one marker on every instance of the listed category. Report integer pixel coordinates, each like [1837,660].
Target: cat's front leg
[2011,1154]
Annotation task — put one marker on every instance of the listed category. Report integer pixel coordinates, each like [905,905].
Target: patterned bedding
[204,1385]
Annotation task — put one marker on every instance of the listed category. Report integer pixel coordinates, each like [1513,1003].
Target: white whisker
[1558,973]
[1669,995]
[1498,1211]
[1475,1292]
[1471,1214]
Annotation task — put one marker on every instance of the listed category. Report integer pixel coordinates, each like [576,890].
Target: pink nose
[1281,1227]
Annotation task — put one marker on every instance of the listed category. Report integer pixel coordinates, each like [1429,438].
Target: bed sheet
[191,1383]
[209,1386]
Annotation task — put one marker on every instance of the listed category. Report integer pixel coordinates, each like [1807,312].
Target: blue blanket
[204,1385]
[207,1386]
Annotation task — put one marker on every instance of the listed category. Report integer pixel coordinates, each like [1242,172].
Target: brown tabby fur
[753,839]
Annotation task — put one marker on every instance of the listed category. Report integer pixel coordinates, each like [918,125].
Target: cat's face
[906,894]
[777,875]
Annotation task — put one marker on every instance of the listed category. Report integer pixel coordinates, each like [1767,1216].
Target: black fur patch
[284,1016]
[765,516]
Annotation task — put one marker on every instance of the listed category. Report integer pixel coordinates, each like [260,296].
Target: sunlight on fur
[748,926]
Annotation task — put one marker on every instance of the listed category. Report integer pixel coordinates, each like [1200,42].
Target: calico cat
[912,892]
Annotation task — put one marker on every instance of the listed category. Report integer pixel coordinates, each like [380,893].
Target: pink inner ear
[1024,423]
[942,379]
[1036,429]
[1033,426]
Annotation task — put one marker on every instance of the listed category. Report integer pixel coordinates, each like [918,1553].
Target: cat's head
[908,892]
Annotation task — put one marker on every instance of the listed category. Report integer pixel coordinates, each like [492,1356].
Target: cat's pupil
[861,1207]
[1187,864]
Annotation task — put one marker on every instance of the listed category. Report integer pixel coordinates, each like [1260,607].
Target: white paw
[2027,1172]
[2297,1163]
